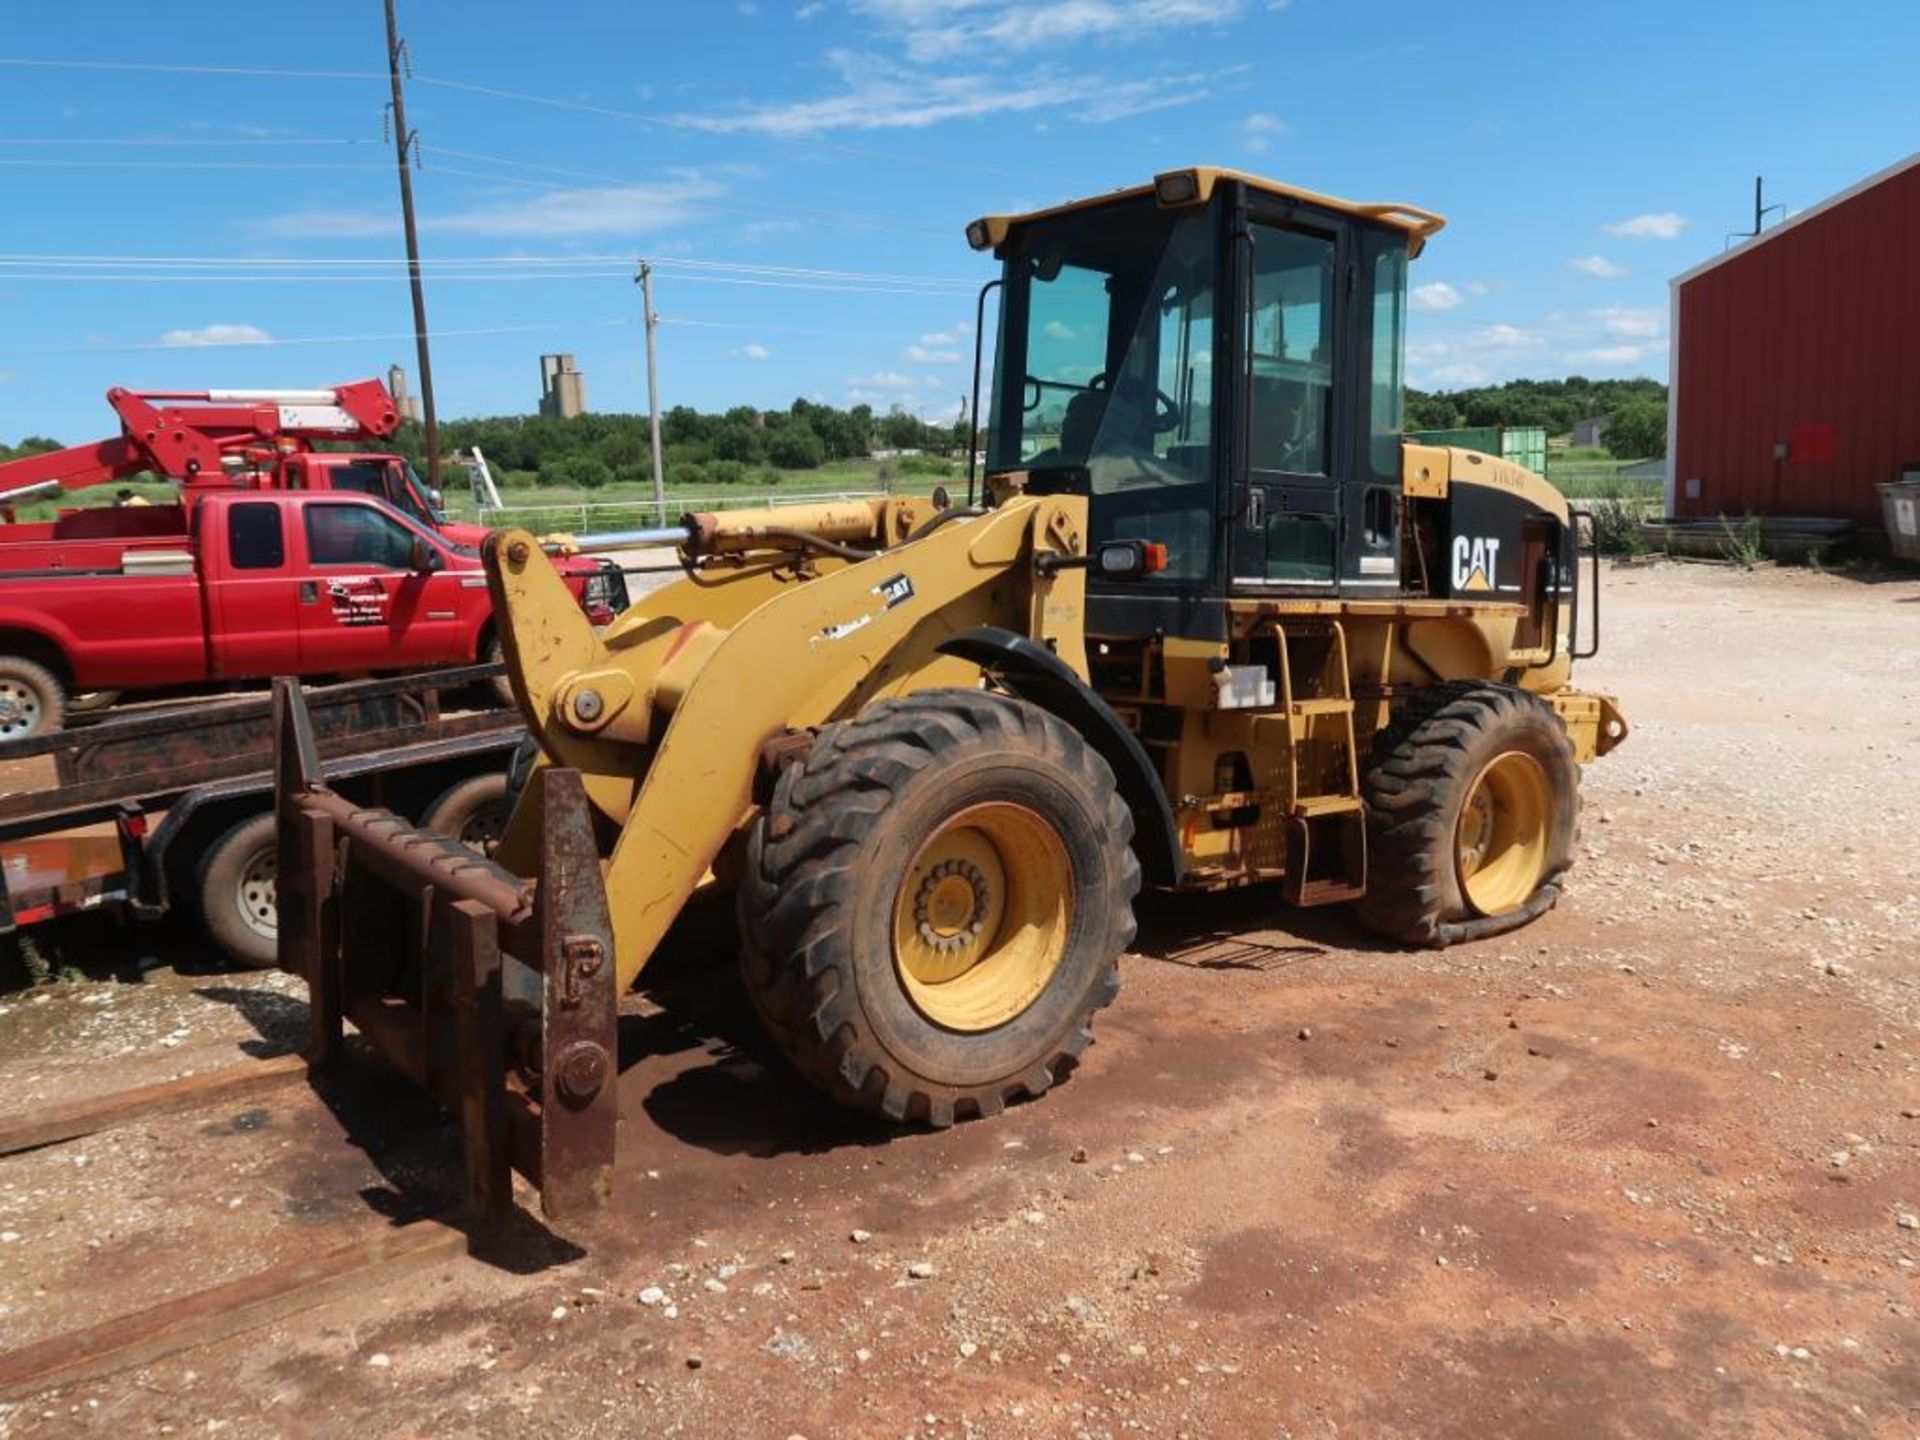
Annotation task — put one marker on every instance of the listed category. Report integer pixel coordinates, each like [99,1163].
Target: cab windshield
[1105,370]
[394,481]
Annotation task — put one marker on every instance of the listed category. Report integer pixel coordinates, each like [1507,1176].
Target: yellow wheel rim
[981,917]
[1500,842]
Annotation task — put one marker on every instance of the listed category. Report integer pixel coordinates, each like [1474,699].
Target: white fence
[594,517]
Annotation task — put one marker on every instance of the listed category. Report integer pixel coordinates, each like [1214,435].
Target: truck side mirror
[420,557]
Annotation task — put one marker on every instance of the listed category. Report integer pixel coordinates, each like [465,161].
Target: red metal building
[1795,380]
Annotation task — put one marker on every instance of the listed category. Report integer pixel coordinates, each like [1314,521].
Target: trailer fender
[1031,671]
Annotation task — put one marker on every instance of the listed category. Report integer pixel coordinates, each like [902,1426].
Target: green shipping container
[1522,444]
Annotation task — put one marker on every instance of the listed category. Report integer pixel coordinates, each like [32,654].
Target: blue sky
[803,169]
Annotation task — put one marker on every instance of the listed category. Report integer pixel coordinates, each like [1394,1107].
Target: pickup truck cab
[386,477]
[244,586]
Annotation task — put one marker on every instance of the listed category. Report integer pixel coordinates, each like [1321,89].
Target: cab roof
[1177,189]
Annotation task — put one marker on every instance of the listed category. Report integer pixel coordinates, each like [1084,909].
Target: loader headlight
[1130,559]
[978,236]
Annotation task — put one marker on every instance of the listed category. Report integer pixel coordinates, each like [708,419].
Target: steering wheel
[1166,409]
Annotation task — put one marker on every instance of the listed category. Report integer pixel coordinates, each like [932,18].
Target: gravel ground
[1647,1168]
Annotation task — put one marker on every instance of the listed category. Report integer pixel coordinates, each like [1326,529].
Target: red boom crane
[191,436]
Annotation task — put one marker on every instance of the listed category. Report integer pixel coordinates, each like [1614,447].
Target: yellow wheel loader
[1207,621]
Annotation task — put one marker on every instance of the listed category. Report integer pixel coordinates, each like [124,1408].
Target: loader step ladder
[1326,822]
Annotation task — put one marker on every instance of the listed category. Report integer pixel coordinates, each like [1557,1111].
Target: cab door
[253,624]
[363,605]
[1288,534]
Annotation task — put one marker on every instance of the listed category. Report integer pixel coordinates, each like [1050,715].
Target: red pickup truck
[245,585]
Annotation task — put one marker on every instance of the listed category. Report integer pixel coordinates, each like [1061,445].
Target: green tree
[575,472]
[737,440]
[1638,431]
[794,446]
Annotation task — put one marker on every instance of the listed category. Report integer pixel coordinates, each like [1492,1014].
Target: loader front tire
[1472,802]
[935,905]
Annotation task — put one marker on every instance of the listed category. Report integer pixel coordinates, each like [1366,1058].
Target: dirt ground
[1648,1168]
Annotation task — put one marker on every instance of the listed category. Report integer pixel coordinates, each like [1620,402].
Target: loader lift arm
[666,720]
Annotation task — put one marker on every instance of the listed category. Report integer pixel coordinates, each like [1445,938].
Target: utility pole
[403,141]
[645,279]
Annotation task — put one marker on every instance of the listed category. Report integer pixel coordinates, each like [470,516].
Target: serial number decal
[893,591]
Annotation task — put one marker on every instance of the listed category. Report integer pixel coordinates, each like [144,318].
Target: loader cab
[1215,362]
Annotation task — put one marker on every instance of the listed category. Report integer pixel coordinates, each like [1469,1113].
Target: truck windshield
[393,481]
[1105,365]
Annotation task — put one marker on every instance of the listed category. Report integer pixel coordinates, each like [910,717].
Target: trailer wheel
[935,905]
[1472,801]
[474,812]
[237,888]
[32,699]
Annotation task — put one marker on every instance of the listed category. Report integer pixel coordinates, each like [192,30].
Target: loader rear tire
[1473,798]
[238,892]
[935,905]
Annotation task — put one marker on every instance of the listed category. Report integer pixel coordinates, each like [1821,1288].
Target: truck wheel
[499,689]
[237,889]
[32,700]
[1472,800]
[935,905]
[474,812]
[92,702]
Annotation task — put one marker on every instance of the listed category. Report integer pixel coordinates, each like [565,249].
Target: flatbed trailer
[172,806]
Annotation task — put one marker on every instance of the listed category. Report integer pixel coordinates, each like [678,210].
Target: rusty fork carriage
[492,993]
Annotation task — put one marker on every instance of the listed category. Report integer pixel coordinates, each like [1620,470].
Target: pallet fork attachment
[494,994]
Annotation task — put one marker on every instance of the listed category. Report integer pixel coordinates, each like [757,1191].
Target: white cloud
[1507,337]
[1610,354]
[606,209]
[807,12]
[1630,323]
[876,94]
[891,380]
[959,333]
[1058,330]
[925,355]
[756,351]
[934,30]
[1435,295]
[1458,373]
[217,335]
[1260,129]
[1661,225]
[1599,267]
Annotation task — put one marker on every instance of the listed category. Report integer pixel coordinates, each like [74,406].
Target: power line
[277,342]
[17,162]
[217,269]
[209,278]
[677,123]
[150,67]
[171,141]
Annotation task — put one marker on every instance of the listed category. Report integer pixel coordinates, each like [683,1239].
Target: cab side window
[255,538]
[357,535]
[1291,335]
